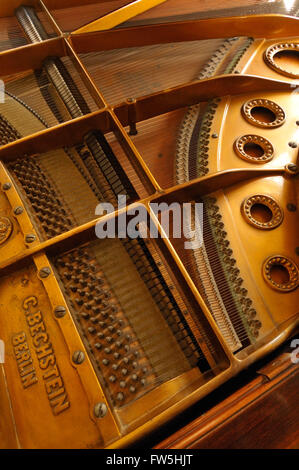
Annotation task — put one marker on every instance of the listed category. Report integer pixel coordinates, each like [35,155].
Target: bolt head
[60,311]
[293,145]
[6,186]
[78,357]
[30,238]
[100,410]
[18,210]
[292,167]
[44,272]
[215,135]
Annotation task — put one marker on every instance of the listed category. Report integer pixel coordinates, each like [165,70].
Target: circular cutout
[263,113]
[254,149]
[262,212]
[284,59]
[281,273]
[5,229]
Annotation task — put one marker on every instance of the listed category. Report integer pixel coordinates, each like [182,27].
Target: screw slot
[30,238]
[100,410]
[60,311]
[292,168]
[44,272]
[18,210]
[78,357]
[293,145]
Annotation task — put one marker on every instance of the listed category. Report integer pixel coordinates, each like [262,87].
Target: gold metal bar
[257,26]
[193,93]
[119,16]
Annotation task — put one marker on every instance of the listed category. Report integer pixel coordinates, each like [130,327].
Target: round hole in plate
[261,213]
[262,114]
[279,274]
[254,150]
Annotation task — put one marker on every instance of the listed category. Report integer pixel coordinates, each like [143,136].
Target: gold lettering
[53,384]
[47,361]
[52,372]
[37,329]
[18,339]
[23,356]
[29,380]
[34,318]
[60,404]
[21,347]
[30,300]
[44,351]
[41,338]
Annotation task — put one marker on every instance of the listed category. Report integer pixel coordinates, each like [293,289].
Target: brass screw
[60,311]
[293,145]
[44,272]
[292,167]
[30,238]
[100,410]
[18,210]
[6,186]
[78,357]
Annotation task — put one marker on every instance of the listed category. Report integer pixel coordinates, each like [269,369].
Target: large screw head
[60,311]
[292,167]
[30,238]
[293,145]
[44,272]
[19,210]
[100,410]
[78,357]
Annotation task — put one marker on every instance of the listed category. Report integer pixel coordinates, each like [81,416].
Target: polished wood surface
[263,414]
